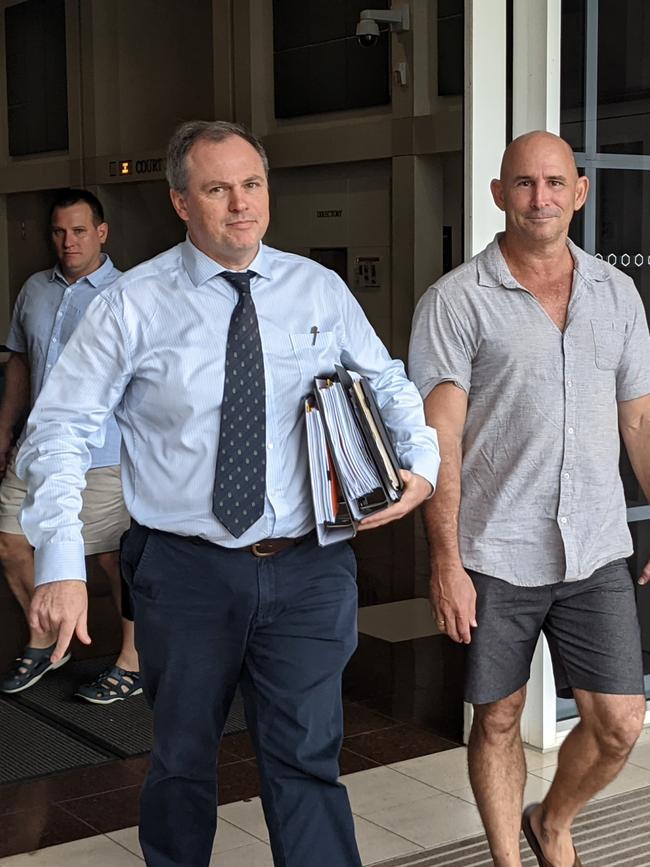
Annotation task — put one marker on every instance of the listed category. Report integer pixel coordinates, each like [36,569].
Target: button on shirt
[46,313]
[158,340]
[542,498]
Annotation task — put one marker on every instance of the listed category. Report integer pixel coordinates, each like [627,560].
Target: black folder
[353,467]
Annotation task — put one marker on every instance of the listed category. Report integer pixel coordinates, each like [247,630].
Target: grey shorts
[591,626]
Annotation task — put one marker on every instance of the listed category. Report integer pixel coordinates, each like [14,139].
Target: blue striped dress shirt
[151,349]
[47,311]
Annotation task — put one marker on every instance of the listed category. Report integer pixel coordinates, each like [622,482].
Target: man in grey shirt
[531,358]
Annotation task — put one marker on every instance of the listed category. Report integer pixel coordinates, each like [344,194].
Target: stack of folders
[353,468]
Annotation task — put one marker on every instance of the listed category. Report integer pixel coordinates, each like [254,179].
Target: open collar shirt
[46,313]
[542,498]
[157,343]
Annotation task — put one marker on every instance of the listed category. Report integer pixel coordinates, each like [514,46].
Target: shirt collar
[491,266]
[97,278]
[201,268]
[591,269]
[492,269]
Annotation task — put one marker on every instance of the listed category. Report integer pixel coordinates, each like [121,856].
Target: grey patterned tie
[240,478]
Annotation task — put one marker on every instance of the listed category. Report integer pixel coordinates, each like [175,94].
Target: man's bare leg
[17,558]
[497,772]
[590,758]
[109,563]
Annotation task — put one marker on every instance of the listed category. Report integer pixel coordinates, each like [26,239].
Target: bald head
[536,142]
[539,190]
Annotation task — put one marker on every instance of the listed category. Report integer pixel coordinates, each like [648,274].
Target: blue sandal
[30,668]
[114,684]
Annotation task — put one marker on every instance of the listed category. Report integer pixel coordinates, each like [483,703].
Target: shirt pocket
[314,352]
[609,340]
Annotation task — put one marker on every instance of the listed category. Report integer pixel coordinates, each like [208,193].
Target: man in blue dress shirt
[228,581]
[47,311]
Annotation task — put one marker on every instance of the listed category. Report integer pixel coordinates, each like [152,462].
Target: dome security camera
[367,33]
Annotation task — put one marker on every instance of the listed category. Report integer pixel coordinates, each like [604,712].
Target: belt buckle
[255,550]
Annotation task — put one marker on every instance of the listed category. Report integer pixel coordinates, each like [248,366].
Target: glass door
[605,116]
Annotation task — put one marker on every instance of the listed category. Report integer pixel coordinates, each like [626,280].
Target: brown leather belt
[263,548]
[268,547]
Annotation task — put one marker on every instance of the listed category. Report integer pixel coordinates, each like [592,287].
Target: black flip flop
[529,834]
[533,842]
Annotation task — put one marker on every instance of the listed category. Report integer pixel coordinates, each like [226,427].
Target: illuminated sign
[127,168]
[120,167]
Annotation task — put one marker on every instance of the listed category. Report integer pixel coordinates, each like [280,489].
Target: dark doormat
[614,832]
[123,728]
[29,747]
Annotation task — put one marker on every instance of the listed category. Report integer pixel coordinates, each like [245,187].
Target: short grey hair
[186,136]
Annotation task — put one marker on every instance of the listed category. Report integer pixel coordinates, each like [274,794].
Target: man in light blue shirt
[205,354]
[47,311]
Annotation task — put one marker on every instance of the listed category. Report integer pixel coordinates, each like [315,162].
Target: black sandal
[114,684]
[30,668]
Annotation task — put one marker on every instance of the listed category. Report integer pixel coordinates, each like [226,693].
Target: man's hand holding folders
[357,482]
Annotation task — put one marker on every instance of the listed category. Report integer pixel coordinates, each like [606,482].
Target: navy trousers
[284,627]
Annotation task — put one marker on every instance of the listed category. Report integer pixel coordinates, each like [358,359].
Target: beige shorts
[103,512]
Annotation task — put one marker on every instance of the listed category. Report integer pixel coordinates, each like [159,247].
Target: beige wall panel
[142,221]
[28,239]
[403,251]
[298,197]
[74,56]
[345,206]
[361,191]
[48,173]
[424,61]
[453,202]
[417,238]
[100,86]
[369,204]
[375,300]
[4,132]
[429,220]
[327,140]
[222,58]
[152,68]
[5,304]
[253,63]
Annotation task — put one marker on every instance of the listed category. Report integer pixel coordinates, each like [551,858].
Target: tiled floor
[399,809]
[103,799]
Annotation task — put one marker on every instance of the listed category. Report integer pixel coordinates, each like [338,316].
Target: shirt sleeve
[439,350]
[16,340]
[416,444]
[633,372]
[85,386]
